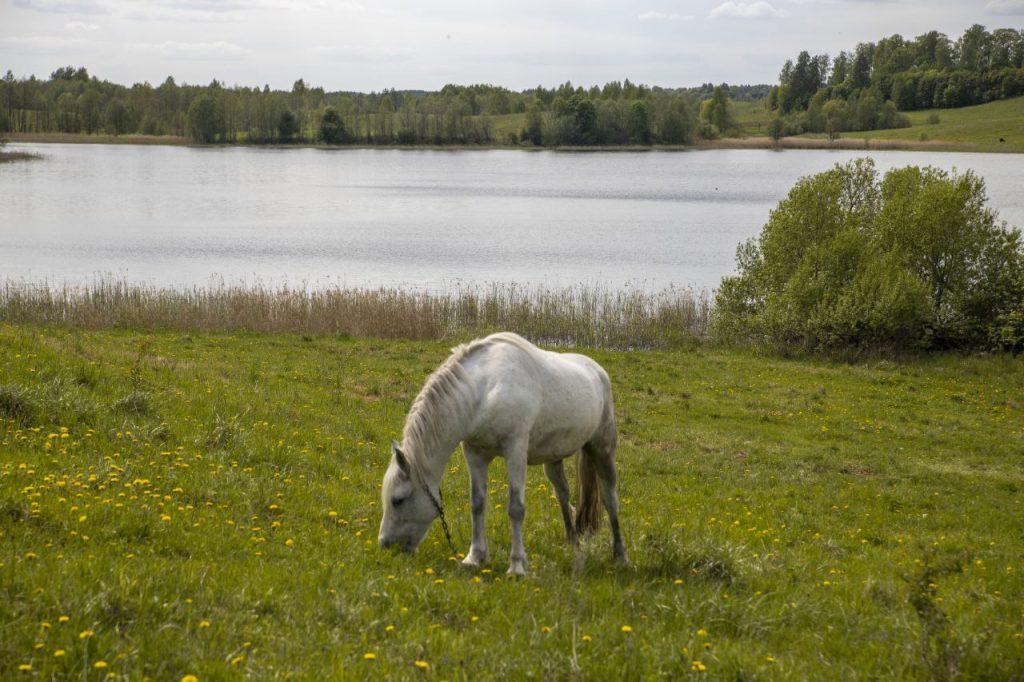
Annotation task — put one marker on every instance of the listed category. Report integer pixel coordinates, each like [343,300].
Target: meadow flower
[99,665]
[237,659]
[85,634]
[63,619]
[422,665]
[189,678]
[58,653]
[698,666]
[627,629]
[204,623]
[25,667]
[369,656]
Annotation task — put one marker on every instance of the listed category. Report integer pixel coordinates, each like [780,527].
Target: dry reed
[583,315]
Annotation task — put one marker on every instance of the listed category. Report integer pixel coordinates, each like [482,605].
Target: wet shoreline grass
[591,316]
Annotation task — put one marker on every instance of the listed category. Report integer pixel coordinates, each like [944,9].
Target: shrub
[846,260]
[933,119]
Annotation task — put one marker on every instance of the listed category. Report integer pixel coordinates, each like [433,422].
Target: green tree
[204,119]
[717,111]
[287,125]
[534,131]
[916,259]
[332,127]
[117,117]
[639,123]
[89,111]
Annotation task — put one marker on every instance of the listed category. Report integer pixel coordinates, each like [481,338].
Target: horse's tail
[588,515]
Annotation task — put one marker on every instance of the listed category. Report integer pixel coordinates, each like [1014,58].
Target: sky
[364,45]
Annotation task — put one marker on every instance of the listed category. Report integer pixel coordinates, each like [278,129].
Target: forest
[867,88]
[73,101]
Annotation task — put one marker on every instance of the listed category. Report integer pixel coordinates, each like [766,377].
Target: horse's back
[561,398]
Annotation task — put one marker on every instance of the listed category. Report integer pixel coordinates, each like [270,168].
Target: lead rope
[444,522]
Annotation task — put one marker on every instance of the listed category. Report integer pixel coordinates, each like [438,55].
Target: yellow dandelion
[237,659]
[369,656]
[586,638]
[289,543]
[422,665]
[25,667]
[678,581]
[204,623]
[702,633]
[58,653]
[99,665]
[85,634]
[769,659]
[63,619]
[627,629]
[389,628]
[545,629]
[698,666]
[189,678]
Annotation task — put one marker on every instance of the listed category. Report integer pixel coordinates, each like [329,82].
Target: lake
[181,216]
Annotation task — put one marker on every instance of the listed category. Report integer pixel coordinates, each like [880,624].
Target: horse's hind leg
[602,454]
[556,474]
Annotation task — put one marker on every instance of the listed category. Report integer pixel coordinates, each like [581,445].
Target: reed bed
[583,315]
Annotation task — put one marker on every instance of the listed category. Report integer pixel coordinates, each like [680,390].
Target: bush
[915,260]
[933,119]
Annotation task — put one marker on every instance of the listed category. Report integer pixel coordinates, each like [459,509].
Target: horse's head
[408,510]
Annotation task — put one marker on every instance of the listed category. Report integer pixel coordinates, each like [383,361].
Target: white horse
[503,397]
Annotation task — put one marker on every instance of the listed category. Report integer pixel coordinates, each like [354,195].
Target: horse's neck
[437,449]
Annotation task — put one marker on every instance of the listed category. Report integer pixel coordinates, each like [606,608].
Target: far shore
[753,142]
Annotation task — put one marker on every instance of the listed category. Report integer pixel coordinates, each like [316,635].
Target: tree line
[618,113]
[867,88]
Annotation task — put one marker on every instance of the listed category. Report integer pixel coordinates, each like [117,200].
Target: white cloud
[43,44]
[1010,8]
[654,15]
[361,52]
[65,6]
[172,48]
[746,10]
[82,26]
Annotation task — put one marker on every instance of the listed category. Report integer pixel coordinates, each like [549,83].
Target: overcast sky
[364,45]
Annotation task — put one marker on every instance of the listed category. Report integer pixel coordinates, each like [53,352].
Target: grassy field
[207,504]
[980,127]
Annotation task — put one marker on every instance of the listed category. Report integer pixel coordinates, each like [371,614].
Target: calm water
[180,216]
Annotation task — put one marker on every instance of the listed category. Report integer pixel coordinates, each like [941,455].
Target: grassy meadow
[206,503]
[977,128]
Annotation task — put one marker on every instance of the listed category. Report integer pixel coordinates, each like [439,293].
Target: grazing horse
[501,396]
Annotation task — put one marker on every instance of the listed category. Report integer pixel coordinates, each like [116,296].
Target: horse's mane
[445,399]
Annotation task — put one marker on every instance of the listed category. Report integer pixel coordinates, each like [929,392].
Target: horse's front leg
[515,460]
[477,465]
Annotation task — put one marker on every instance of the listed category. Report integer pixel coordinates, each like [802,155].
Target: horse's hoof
[474,560]
[517,569]
[621,560]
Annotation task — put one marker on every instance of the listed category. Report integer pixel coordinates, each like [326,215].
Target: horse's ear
[400,459]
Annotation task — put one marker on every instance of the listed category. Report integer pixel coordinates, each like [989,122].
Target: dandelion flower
[702,633]
[289,543]
[85,634]
[586,638]
[204,623]
[627,629]
[422,665]
[237,659]
[63,619]
[698,666]
[369,656]
[99,665]
[58,653]
[189,678]
[25,667]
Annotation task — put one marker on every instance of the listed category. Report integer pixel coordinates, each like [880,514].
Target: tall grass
[582,315]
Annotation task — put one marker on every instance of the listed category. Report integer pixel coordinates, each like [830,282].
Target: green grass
[207,504]
[752,117]
[978,127]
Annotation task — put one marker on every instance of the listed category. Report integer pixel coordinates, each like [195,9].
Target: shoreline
[754,142]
